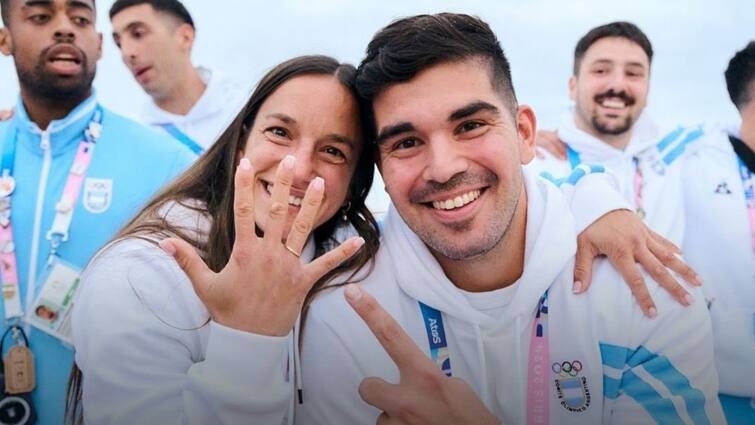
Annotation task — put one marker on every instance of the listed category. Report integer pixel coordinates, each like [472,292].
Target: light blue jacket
[137,160]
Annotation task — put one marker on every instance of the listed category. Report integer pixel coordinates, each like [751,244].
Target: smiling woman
[289,162]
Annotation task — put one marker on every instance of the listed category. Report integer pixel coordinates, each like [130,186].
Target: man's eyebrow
[79,3]
[472,109]
[393,130]
[283,117]
[37,3]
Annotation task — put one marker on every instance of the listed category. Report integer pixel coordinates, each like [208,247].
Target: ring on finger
[291,250]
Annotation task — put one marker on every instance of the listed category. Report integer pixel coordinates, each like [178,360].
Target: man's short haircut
[410,45]
[740,76]
[172,7]
[5,10]
[621,29]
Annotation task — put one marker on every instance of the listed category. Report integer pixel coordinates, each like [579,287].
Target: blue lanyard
[9,149]
[436,336]
[574,158]
[182,137]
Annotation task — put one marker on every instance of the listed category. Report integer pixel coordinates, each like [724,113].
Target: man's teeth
[292,200]
[456,202]
[611,103]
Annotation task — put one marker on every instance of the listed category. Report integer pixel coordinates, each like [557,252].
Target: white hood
[550,244]
[645,134]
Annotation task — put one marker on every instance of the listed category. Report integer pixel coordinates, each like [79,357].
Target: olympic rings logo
[567,368]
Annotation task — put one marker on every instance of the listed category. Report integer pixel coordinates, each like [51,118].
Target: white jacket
[717,243]
[635,370]
[658,152]
[151,356]
[208,118]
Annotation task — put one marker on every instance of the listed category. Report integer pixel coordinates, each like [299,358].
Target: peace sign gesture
[424,394]
[262,288]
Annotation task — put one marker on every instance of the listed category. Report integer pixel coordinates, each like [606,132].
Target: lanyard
[182,137]
[637,180]
[748,182]
[63,210]
[537,383]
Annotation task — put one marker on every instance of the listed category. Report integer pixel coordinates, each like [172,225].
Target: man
[475,265]
[609,87]
[194,105]
[72,174]
[720,238]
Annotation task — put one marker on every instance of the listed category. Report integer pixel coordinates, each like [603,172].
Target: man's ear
[186,35]
[99,46]
[6,41]
[526,125]
[573,87]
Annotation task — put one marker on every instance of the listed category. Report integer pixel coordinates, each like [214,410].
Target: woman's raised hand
[262,288]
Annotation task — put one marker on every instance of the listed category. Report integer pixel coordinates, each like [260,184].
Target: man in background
[72,173]
[192,104]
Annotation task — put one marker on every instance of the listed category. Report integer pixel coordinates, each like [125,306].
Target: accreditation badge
[51,312]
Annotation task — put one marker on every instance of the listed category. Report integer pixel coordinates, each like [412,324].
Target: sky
[693,41]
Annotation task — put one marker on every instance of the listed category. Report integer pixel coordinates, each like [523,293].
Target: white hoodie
[658,152]
[208,118]
[718,244]
[636,370]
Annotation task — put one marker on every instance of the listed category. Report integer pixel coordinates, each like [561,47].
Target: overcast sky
[693,41]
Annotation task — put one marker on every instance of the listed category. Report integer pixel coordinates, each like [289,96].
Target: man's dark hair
[172,7]
[740,76]
[621,29]
[407,46]
[5,10]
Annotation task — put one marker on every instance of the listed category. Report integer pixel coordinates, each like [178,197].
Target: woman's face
[316,120]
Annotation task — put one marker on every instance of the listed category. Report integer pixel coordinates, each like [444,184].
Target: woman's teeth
[292,200]
[457,202]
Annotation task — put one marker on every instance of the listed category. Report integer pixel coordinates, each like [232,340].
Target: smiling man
[606,125]
[193,105]
[69,181]
[469,315]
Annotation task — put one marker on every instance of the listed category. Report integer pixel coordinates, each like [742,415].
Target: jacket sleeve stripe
[660,408]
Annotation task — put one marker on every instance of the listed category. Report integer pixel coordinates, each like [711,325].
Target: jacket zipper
[39,208]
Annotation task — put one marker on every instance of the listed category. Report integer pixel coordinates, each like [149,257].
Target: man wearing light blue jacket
[72,174]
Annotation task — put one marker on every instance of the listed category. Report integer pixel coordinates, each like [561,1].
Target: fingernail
[358,242]
[167,247]
[352,292]
[288,162]
[698,279]
[652,312]
[245,164]
[318,183]
[577,287]
[689,299]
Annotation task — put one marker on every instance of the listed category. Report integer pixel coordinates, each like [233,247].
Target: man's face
[611,87]
[153,46]
[450,153]
[55,46]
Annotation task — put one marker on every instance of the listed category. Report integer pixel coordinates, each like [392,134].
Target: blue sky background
[693,41]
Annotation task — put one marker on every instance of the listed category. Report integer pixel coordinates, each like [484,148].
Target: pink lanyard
[638,182]
[748,182]
[61,223]
[538,406]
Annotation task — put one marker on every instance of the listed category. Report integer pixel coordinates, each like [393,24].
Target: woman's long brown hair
[210,180]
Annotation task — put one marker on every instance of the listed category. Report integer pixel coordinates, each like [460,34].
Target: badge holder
[17,372]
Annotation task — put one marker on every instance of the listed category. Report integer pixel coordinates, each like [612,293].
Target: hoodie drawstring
[481,358]
[297,362]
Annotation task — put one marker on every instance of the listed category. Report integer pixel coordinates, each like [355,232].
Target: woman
[152,347]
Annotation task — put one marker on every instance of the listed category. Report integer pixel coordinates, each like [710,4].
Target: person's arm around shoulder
[669,373]
[143,363]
